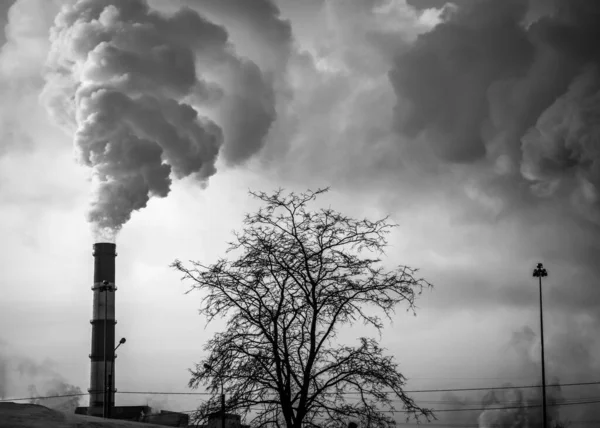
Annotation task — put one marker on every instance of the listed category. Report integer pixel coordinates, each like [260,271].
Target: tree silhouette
[297,276]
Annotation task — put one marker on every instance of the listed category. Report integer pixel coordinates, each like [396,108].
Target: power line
[507,403]
[516,407]
[572,402]
[492,388]
[462,425]
[42,398]
[478,408]
[164,393]
[471,378]
[502,387]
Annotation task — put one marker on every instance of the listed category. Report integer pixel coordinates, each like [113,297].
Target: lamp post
[539,272]
[110,379]
[208,367]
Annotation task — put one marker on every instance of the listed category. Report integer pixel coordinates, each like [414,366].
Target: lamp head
[122,341]
[539,271]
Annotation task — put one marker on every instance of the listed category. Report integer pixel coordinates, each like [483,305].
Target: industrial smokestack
[103,330]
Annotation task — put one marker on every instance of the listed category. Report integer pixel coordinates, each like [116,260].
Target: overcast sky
[475,126]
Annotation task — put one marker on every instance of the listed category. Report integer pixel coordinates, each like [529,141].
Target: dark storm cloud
[446,75]
[489,83]
[562,149]
[259,18]
[565,141]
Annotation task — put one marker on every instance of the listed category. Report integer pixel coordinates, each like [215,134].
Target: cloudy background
[474,125]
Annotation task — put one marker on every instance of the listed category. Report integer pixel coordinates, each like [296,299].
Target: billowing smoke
[159,403]
[150,97]
[64,397]
[568,360]
[519,409]
[259,21]
[514,84]
[23,377]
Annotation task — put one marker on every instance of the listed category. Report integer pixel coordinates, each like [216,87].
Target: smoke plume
[520,409]
[23,377]
[54,389]
[569,359]
[259,21]
[570,348]
[159,403]
[150,97]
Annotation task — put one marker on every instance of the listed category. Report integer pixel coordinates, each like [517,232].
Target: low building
[170,419]
[215,421]
[144,414]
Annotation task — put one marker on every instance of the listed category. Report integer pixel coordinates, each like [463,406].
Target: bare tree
[296,277]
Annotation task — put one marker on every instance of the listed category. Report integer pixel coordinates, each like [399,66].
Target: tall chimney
[103,330]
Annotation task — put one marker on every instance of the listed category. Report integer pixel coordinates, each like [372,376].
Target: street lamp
[110,379]
[539,272]
[122,341]
[208,367]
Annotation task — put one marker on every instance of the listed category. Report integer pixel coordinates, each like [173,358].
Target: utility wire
[503,387]
[478,408]
[516,407]
[346,393]
[164,393]
[462,425]
[507,403]
[493,388]
[41,398]
[581,401]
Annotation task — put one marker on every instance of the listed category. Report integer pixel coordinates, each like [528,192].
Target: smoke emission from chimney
[56,388]
[126,81]
[522,409]
[21,376]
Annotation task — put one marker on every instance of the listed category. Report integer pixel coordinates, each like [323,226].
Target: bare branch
[297,276]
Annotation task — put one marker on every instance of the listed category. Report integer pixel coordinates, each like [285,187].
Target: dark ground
[13,415]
